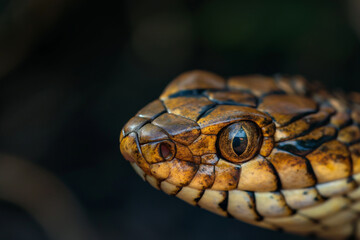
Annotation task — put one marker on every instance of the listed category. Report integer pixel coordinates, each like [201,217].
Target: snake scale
[276,152]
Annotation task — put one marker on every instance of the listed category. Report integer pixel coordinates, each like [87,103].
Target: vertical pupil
[240,142]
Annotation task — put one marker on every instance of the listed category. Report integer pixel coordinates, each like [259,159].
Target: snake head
[201,135]
[251,133]
[254,147]
[205,132]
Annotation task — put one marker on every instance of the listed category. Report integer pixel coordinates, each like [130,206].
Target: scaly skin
[278,153]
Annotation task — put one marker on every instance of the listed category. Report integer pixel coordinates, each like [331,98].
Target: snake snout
[129,147]
[136,148]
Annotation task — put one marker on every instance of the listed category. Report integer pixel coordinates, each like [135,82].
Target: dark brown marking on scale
[278,181]
[204,177]
[232,98]
[305,144]
[331,161]
[224,204]
[188,93]
[177,191]
[292,170]
[311,171]
[198,198]
[252,197]
[302,126]
[293,211]
[205,111]
[351,166]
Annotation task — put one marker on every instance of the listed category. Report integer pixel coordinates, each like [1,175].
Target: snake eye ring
[240,141]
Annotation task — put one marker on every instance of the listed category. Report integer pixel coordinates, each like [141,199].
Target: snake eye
[239,141]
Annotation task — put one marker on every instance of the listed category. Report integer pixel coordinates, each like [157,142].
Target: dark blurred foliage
[74,77]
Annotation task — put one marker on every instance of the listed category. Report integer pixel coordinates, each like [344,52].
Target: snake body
[276,152]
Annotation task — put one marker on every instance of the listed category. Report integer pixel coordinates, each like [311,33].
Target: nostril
[165,150]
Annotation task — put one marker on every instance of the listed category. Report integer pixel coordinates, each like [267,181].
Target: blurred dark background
[73,72]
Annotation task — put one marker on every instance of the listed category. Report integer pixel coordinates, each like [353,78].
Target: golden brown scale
[278,153]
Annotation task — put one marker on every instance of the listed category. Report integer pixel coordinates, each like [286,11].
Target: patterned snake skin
[278,153]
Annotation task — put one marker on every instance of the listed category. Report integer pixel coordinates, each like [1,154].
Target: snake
[278,152]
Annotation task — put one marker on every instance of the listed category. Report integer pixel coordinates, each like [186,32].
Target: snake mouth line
[217,201]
